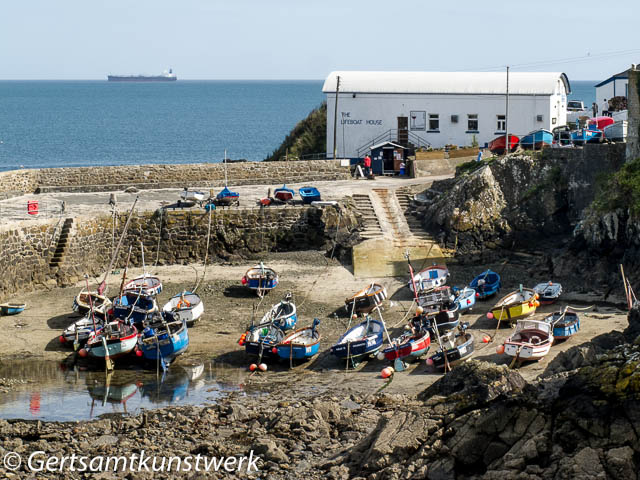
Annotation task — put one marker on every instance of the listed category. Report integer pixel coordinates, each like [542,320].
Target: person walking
[594,109]
[367,166]
[605,108]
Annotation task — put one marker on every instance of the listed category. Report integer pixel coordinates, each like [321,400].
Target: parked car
[575,106]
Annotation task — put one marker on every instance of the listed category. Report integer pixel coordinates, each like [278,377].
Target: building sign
[418,120]
[347,120]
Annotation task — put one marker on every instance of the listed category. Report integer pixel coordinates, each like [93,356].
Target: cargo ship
[165,77]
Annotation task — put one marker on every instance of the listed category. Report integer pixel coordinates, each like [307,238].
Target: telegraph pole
[335,120]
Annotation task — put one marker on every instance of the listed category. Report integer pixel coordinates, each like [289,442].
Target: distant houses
[615,86]
[434,109]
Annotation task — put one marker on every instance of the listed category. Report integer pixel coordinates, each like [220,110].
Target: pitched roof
[487,83]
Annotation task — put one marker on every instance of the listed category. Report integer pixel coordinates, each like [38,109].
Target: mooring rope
[206,254]
[155,265]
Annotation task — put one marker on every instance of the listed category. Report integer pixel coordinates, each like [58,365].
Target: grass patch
[472,165]
[620,189]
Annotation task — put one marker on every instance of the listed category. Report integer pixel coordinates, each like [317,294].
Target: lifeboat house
[435,109]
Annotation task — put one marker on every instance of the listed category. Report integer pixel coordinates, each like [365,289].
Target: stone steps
[372,228]
[63,242]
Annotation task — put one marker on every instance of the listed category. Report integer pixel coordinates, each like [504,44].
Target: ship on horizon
[165,77]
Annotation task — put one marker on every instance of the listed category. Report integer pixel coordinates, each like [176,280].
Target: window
[454,118]
[539,118]
[418,120]
[434,122]
[472,122]
[502,123]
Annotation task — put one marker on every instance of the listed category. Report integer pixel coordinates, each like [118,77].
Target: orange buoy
[486,339]
[430,362]
[82,352]
[253,367]
[500,349]
[490,315]
[386,372]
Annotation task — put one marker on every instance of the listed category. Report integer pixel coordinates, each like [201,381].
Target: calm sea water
[80,123]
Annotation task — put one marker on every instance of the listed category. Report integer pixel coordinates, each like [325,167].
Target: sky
[298,39]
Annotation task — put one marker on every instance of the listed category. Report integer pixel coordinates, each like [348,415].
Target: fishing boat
[432,301]
[537,139]
[301,344]
[185,306]
[565,323]
[282,314]
[446,319]
[562,136]
[497,146]
[191,195]
[284,194]
[261,279]
[84,300]
[408,346]
[586,135]
[261,340]
[366,300]
[309,194]
[617,131]
[518,304]
[466,298]
[548,292]
[531,340]
[359,341]
[12,308]
[486,284]
[429,278]
[79,332]
[227,197]
[164,341]
[135,308]
[145,284]
[600,123]
[457,346]
[114,340]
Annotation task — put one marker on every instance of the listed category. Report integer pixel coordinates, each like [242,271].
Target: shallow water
[56,392]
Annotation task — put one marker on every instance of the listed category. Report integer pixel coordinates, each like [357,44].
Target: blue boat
[301,344]
[586,135]
[466,298]
[227,197]
[261,340]
[12,308]
[565,324]
[537,139]
[164,341]
[309,194]
[486,284]
[261,279]
[134,308]
[283,314]
[283,193]
[362,340]
[457,346]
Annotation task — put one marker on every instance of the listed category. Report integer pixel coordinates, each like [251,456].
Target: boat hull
[289,348]
[366,300]
[12,308]
[169,346]
[116,348]
[466,299]
[412,348]
[429,278]
[147,285]
[526,351]
[486,284]
[355,345]
[454,355]
[498,145]
[309,194]
[519,308]
[190,312]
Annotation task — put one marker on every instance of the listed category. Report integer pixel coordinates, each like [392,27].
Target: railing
[392,136]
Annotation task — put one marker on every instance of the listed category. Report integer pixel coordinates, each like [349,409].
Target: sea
[90,123]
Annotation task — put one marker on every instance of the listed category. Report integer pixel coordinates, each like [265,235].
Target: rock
[131,190]
[104,440]
[269,451]
[619,462]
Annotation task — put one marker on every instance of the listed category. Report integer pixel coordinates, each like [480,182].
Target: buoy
[490,316]
[486,339]
[500,349]
[263,367]
[62,339]
[380,356]
[550,282]
[537,296]
[82,352]
[477,295]
[274,350]
[536,303]
[253,367]
[419,311]
[386,372]
[430,362]
[244,280]
[138,353]
[391,369]
[354,316]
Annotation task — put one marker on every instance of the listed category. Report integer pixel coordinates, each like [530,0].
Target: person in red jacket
[367,166]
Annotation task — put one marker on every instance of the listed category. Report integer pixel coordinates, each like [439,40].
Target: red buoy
[62,339]
[83,352]
[138,353]
[253,367]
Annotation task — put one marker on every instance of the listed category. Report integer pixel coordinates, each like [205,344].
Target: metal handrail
[391,135]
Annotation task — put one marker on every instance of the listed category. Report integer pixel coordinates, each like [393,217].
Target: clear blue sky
[298,39]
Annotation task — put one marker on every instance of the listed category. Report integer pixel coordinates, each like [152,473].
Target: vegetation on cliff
[620,189]
[309,136]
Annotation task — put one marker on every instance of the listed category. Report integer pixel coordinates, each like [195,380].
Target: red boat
[497,145]
[409,346]
[600,122]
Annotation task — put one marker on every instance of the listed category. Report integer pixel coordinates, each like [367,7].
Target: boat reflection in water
[56,392]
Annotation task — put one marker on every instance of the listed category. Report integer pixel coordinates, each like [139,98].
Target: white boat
[531,340]
[192,195]
[145,284]
[80,331]
[283,314]
[429,278]
[185,306]
[617,131]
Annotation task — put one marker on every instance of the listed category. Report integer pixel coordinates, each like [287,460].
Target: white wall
[617,88]
[366,116]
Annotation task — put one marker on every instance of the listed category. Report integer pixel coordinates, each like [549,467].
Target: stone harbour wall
[235,234]
[17,182]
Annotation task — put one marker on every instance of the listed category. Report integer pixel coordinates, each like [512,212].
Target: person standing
[605,108]
[367,166]
[594,109]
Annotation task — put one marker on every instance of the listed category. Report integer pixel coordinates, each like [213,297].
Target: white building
[615,86]
[439,108]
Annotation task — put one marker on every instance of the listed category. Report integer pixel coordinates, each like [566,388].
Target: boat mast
[507,143]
